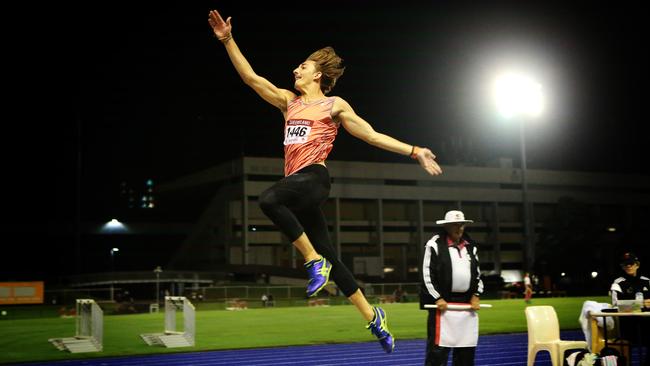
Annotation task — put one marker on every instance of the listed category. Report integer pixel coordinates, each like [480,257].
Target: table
[595,346]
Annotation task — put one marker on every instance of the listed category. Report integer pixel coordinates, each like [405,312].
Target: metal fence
[280,292]
[69,295]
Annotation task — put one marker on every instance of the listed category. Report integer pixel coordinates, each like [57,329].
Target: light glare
[114,226]
[517,94]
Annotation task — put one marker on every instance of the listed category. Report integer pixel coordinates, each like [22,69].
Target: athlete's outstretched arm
[361,129]
[264,88]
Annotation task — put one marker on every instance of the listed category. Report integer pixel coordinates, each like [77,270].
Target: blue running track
[493,350]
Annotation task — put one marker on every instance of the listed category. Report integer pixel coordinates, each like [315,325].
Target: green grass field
[26,339]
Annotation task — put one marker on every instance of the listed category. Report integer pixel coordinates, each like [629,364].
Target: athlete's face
[455,231]
[304,74]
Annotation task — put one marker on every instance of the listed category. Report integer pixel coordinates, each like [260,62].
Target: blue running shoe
[379,327]
[319,273]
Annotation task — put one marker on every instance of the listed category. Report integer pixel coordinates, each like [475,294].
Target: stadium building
[381,214]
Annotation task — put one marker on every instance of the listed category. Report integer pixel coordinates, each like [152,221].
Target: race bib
[297,131]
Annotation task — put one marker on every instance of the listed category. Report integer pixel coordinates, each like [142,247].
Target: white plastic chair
[544,335]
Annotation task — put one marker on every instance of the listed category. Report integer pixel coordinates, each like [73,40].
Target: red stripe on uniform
[437,338]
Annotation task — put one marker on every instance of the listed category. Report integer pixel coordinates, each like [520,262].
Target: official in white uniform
[451,274]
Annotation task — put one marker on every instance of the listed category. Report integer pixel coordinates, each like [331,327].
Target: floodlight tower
[519,96]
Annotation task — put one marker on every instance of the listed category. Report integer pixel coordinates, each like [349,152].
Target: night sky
[157,96]
[147,92]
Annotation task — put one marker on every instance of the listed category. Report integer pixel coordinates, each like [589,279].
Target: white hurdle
[172,338]
[89,329]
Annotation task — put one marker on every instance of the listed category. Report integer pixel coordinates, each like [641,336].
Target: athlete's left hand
[426,159]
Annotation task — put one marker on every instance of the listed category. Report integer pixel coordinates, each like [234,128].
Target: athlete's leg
[362,304]
[307,188]
[275,202]
[313,220]
[293,193]
[306,248]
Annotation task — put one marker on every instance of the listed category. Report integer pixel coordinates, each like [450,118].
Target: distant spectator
[528,288]
[265,300]
[126,304]
[398,294]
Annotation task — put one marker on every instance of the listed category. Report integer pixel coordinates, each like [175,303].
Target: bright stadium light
[517,94]
[594,274]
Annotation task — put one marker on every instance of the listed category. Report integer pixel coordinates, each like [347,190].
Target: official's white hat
[452,217]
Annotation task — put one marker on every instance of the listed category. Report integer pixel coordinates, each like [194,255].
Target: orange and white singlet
[309,133]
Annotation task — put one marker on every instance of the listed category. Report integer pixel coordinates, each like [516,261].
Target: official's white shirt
[461,269]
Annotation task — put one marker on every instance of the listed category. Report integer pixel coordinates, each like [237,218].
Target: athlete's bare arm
[264,88]
[359,128]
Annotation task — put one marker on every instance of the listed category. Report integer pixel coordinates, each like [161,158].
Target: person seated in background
[633,286]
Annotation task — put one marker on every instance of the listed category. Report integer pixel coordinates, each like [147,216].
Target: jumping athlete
[294,203]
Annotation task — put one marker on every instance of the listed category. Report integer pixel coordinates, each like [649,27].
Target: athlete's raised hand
[221,29]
